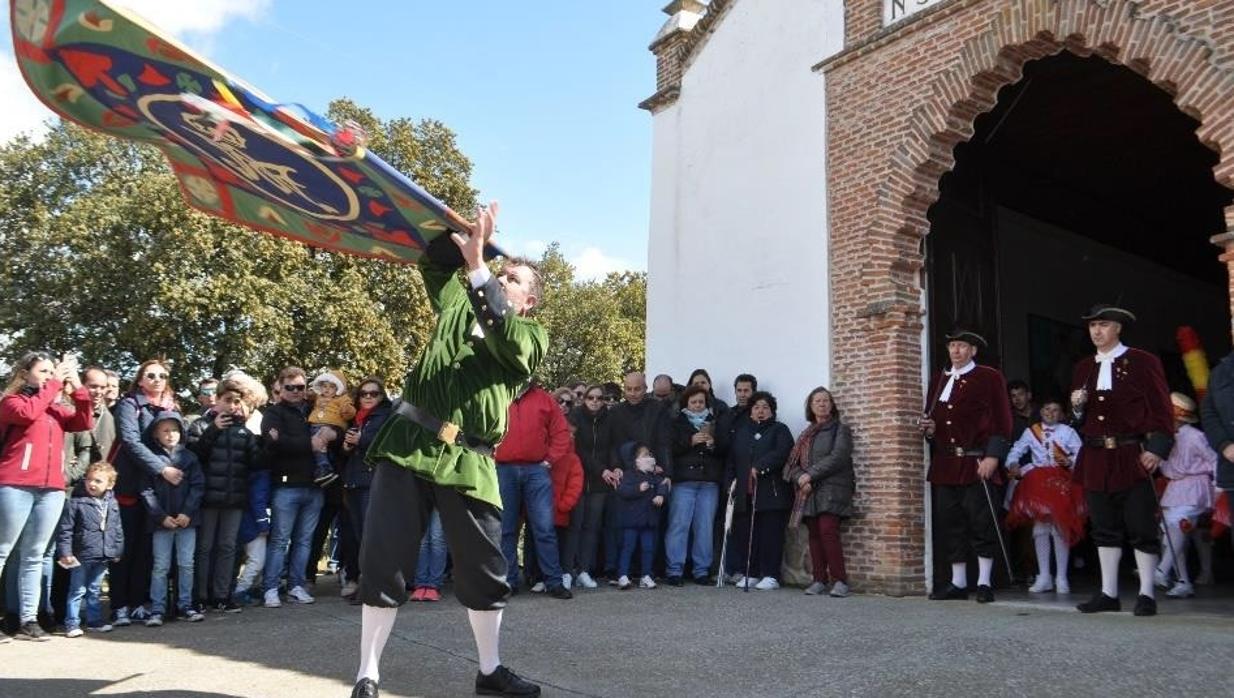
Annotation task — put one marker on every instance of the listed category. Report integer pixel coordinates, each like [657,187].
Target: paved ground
[678,642]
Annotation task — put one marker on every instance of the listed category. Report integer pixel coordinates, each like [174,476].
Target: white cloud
[593,264]
[201,19]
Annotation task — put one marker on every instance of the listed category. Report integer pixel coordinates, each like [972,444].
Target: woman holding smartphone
[698,468]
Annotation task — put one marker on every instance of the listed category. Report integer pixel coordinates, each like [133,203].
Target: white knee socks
[1110,557]
[1145,563]
[375,626]
[959,575]
[1062,554]
[1175,547]
[486,627]
[984,566]
[1041,542]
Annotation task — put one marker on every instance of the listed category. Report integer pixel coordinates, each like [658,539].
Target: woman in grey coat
[821,467]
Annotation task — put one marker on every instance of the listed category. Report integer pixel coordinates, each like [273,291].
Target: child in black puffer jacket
[228,452]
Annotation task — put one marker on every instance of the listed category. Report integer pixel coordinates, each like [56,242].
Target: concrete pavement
[680,642]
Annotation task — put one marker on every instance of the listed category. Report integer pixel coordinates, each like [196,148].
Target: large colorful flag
[237,154]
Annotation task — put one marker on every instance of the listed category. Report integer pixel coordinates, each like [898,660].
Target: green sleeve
[443,286]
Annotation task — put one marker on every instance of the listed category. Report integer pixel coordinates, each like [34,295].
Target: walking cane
[728,527]
[998,530]
[750,543]
[1166,531]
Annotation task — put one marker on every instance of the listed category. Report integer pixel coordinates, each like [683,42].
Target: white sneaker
[1181,590]
[349,589]
[736,579]
[1159,578]
[767,584]
[586,581]
[538,588]
[623,582]
[299,595]
[839,590]
[566,580]
[1042,585]
[75,632]
[1062,586]
[646,582]
[272,599]
[745,582]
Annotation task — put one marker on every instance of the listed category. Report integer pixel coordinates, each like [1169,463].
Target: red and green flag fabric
[237,154]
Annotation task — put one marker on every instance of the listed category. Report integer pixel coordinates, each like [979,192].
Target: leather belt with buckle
[447,432]
[961,452]
[1112,442]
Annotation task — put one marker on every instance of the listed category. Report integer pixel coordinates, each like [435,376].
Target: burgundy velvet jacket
[976,418]
[1136,415]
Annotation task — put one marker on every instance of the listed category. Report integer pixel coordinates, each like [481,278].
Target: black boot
[949,593]
[365,688]
[504,682]
[984,593]
[1099,604]
[1145,606]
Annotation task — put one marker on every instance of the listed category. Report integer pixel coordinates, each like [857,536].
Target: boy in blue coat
[173,515]
[642,493]
[89,536]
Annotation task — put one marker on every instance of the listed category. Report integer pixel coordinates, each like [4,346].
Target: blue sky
[541,94]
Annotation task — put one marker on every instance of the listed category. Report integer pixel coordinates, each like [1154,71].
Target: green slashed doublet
[477,360]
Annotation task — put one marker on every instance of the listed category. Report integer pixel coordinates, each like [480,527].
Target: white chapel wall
[738,274]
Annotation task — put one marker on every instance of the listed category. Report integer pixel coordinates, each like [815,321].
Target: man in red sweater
[537,437]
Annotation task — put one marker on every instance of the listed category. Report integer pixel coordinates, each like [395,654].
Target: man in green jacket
[435,452]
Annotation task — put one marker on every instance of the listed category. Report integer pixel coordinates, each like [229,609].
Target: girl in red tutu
[1045,495]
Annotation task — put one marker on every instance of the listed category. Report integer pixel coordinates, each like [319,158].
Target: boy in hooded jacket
[174,511]
[89,536]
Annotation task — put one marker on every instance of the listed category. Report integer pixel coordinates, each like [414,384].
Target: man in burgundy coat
[1122,409]
[968,423]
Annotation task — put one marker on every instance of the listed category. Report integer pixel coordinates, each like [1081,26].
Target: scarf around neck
[801,449]
[697,419]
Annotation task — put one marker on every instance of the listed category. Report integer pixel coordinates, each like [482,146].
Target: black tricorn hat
[1105,311]
[963,335]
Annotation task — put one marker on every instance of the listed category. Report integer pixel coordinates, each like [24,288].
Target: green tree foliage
[103,257]
[595,328]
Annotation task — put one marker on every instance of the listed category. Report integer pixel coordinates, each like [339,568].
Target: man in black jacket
[639,418]
[295,503]
[1217,416]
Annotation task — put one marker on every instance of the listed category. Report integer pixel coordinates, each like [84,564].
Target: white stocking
[1145,563]
[375,626]
[984,566]
[1041,542]
[1110,557]
[1062,553]
[1174,551]
[486,627]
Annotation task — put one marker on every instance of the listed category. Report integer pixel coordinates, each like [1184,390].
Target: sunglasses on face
[589,398]
[564,401]
[294,388]
[155,376]
[370,393]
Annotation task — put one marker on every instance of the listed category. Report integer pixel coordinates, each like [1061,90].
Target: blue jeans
[28,518]
[184,540]
[530,484]
[692,510]
[645,539]
[431,564]
[85,581]
[293,517]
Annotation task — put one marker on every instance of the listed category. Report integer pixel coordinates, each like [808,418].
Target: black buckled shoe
[503,682]
[985,594]
[1145,606]
[560,592]
[365,688]
[949,593]
[1100,603]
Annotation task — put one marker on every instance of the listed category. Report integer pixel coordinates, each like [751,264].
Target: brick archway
[925,83]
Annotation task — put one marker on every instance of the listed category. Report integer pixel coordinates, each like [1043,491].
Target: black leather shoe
[504,682]
[984,593]
[707,581]
[1100,603]
[673,581]
[560,593]
[365,688]
[949,593]
[30,630]
[1145,606]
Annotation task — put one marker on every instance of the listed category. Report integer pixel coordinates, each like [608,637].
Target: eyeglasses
[294,388]
[564,401]
[369,393]
[205,392]
[610,398]
[589,398]
[154,376]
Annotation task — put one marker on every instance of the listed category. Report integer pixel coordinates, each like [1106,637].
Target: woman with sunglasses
[372,410]
[32,426]
[135,463]
[597,509]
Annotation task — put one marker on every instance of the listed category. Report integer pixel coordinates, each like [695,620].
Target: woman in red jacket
[32,426]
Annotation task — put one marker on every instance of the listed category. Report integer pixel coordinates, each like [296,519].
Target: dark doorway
[1084,184]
